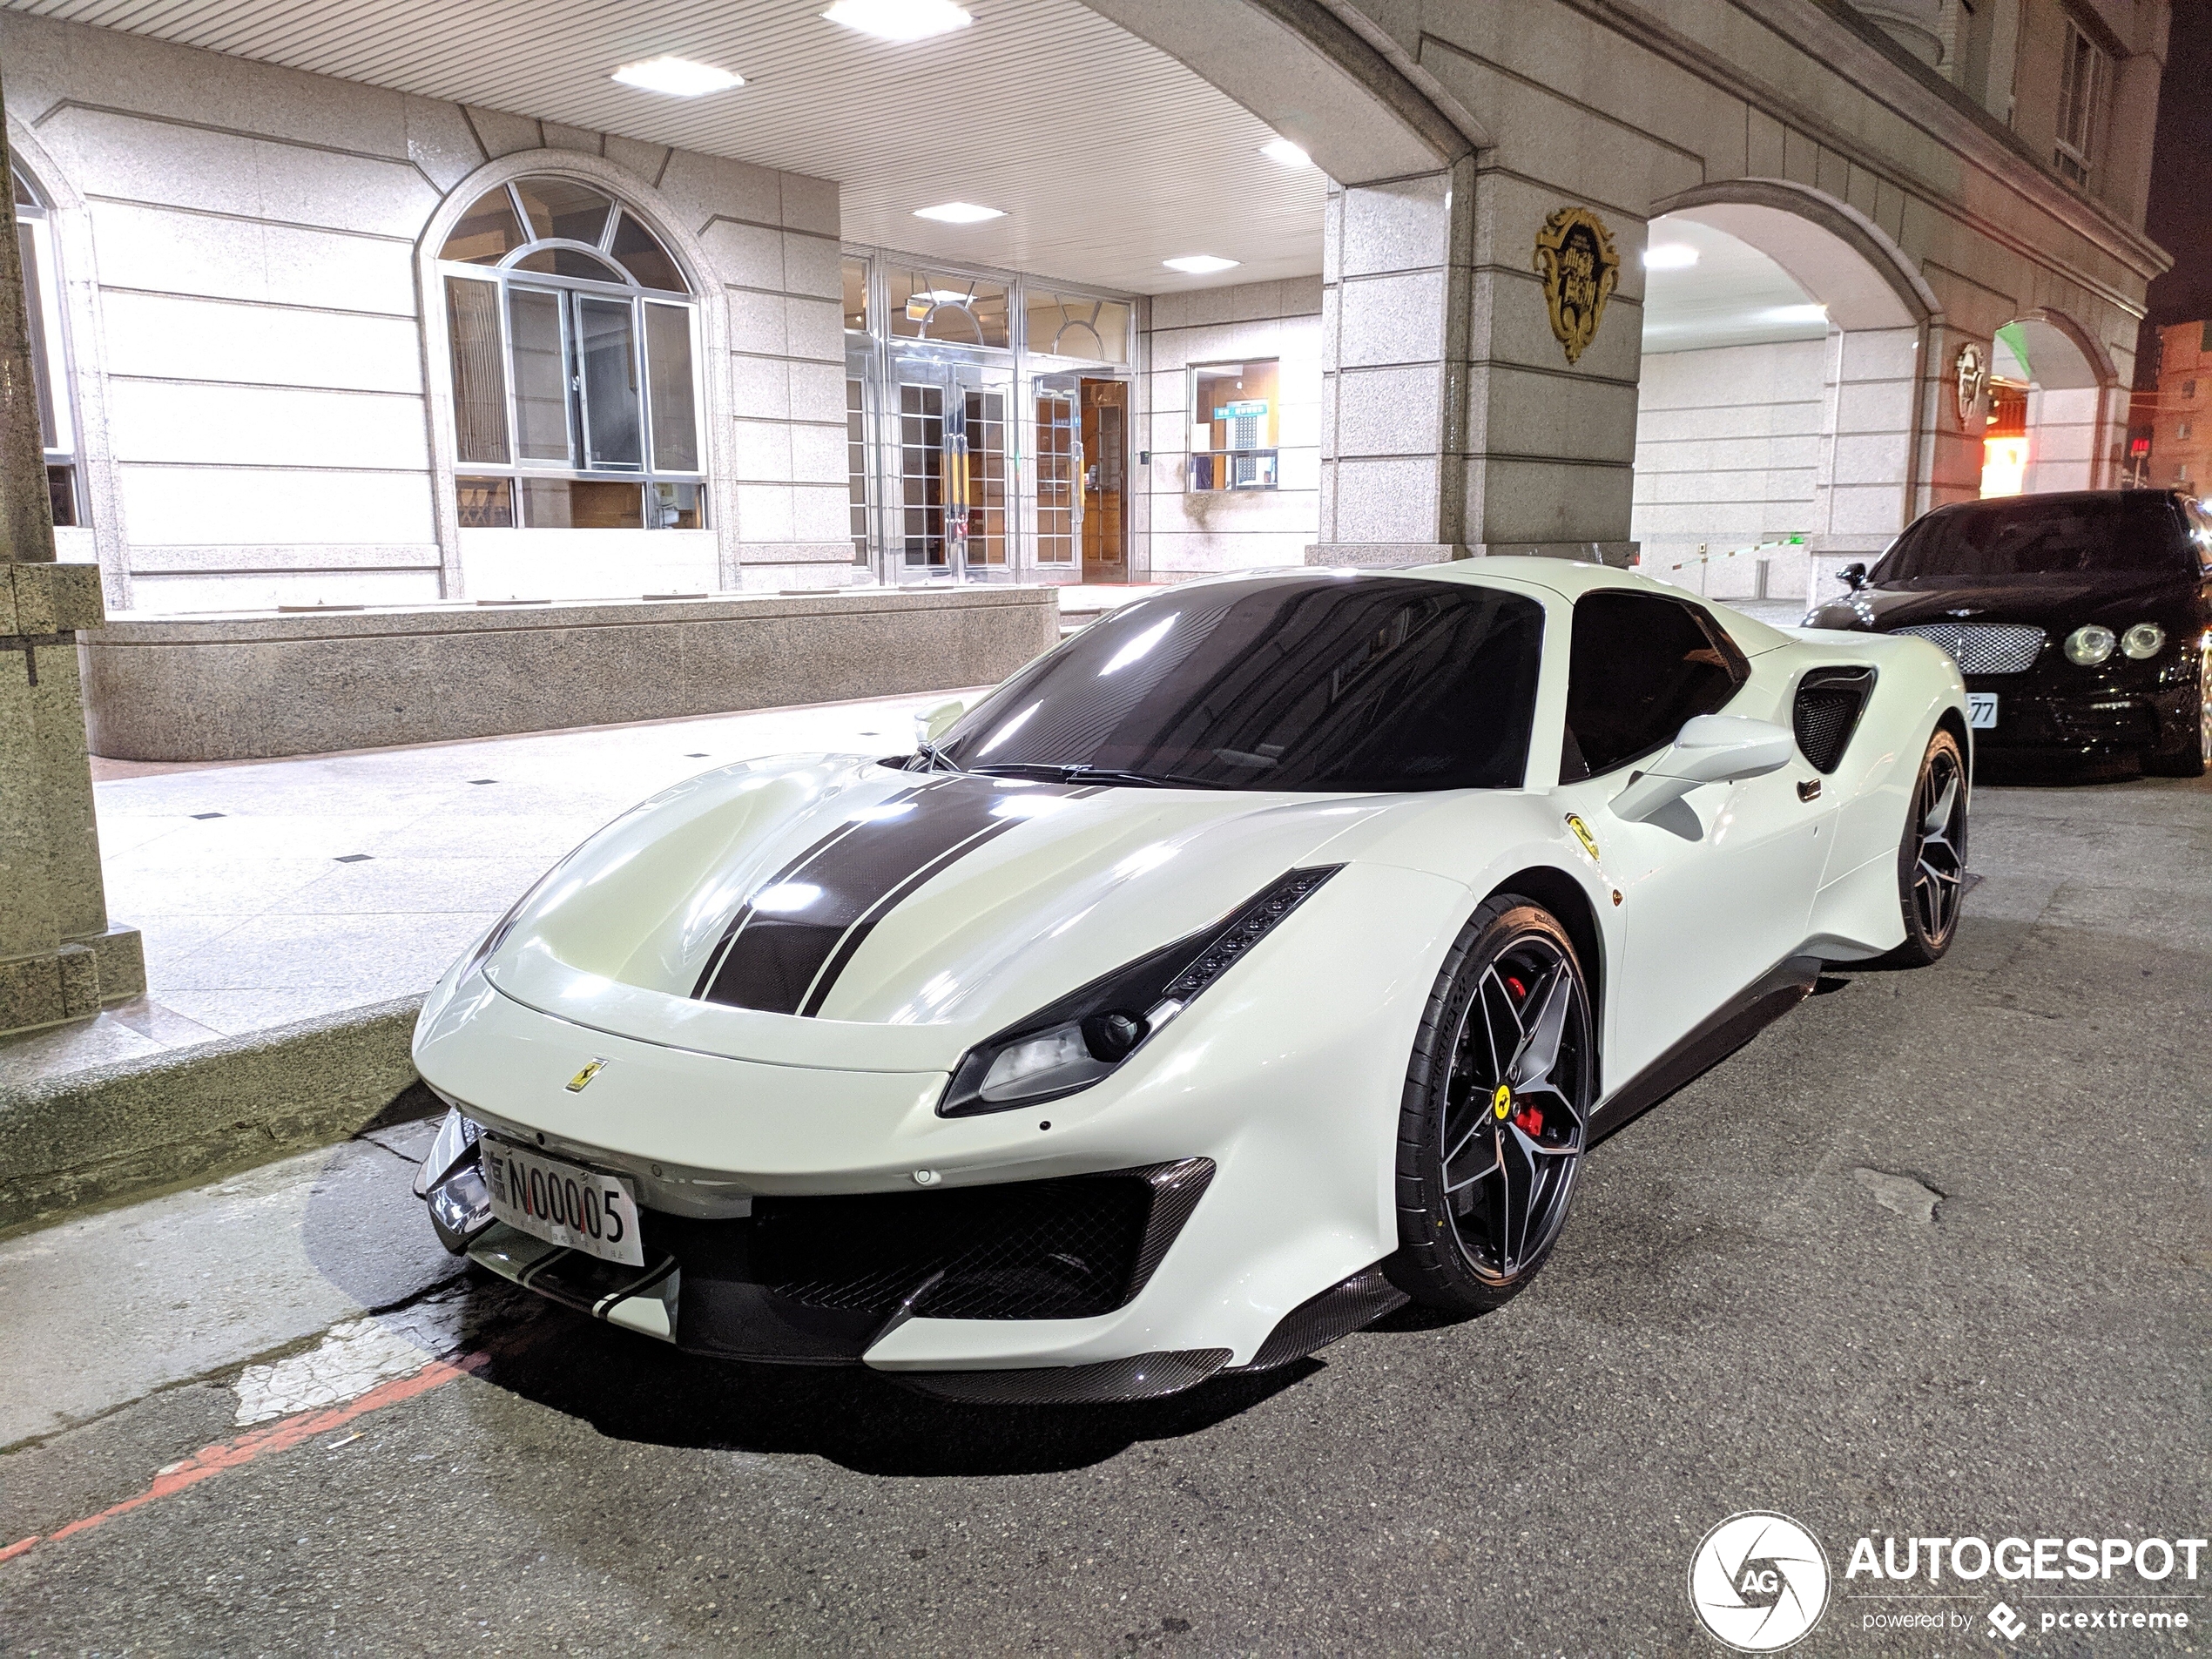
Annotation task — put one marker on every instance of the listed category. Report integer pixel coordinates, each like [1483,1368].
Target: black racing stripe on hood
[786,962]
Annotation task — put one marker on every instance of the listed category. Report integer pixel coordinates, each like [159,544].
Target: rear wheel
[2187,758]
[1931,855]
[1496,1110]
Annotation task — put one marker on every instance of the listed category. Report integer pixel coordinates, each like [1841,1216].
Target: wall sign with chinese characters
[1575,255]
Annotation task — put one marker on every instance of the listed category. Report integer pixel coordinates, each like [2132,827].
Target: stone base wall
[251,686]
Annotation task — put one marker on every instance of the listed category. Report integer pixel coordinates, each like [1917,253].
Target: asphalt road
[1927,1258]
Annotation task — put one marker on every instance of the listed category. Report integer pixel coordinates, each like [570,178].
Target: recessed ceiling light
[1796,313]
[1283,150]
[900,20]
[1669,256]
[1199,264]
[677,76]
[958,213]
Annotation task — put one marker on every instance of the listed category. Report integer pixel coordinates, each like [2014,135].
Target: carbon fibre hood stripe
[782,952]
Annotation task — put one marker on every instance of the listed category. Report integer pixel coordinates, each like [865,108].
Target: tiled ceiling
[1106,155]
[1734,295]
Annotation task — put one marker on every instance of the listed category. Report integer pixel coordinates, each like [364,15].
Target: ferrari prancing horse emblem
[1574,253]
[582,1081]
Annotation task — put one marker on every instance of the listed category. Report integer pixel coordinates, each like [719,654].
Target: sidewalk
[272,892]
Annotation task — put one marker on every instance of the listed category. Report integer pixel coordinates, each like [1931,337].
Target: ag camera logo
[1759,1582]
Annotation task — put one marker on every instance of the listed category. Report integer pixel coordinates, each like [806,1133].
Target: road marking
[281,1436]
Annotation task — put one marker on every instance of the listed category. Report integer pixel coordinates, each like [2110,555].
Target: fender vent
[1830,701]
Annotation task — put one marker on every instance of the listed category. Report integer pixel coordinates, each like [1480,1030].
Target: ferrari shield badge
[1582,835]
[582,1081]
[1574,256]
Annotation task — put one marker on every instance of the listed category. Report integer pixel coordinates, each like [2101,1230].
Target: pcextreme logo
[1759,1582]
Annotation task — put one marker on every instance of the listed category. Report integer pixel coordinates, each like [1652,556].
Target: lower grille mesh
[1982,647]
[1035,1250]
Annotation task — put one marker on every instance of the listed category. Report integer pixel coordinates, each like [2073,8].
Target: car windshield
[1305,682]
[2133,532]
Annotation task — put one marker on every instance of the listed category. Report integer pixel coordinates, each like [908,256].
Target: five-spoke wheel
[1931,855]
[1496,1113]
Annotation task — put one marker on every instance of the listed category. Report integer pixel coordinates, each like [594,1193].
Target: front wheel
[1496,1110]
[1932,854]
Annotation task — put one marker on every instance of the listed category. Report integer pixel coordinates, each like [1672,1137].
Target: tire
[2187,759]
[1932,854]
[1482,1090]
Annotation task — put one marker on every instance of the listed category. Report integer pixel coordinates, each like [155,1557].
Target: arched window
[42,294]
[575,339]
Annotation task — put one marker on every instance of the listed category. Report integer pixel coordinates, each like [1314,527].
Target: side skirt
[1720,1034]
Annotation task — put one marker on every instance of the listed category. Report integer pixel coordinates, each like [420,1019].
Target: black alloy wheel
[1496,1112]
[2187,758]
[1931,855]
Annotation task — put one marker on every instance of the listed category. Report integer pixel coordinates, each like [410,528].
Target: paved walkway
[275,891]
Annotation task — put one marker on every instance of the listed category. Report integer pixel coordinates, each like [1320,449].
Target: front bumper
[2035,722]
[1290,1120]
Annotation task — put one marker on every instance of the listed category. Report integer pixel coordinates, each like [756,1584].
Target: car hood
[2057,603]
[837,912]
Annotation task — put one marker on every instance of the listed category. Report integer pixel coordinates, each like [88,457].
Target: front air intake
[1830,701]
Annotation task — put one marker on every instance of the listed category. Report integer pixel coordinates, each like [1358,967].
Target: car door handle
[1809,789]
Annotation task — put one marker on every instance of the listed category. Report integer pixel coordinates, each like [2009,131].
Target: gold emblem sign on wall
[1575,255]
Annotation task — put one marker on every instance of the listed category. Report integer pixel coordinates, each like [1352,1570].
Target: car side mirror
[1710,749]
[933,723]
[1854,575]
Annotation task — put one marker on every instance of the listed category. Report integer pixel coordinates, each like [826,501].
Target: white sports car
[1269,954]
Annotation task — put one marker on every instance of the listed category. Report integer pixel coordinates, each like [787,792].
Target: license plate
[1981,710]
[595,1213]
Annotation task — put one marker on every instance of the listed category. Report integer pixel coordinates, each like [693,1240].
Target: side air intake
[1830,701]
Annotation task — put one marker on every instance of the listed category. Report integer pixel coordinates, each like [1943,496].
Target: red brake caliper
[1526,1119]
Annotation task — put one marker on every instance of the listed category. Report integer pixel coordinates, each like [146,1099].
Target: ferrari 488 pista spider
[1270,952]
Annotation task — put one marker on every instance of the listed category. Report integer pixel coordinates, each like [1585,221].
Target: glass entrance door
[951,483]
[1105,481]
[1057,445]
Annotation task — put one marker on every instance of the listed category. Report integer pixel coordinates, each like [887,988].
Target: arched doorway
[2053,408]
[1783,376]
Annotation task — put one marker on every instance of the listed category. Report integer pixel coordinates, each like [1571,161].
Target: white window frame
[2085,86]
[52,364]
[505,276]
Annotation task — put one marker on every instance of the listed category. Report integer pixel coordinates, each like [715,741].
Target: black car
[2082,622]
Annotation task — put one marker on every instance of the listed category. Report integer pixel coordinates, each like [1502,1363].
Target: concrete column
[1863,492]
[1453,427]
[59,957]
[1395,283]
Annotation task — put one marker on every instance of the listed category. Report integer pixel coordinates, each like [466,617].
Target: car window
[1639,665]
[1320,681]
[2030,535]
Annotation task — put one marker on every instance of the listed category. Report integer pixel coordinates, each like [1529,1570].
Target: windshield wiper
[1080,774]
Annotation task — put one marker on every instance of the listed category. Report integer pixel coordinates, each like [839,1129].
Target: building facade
[2176,422]
[1736,288]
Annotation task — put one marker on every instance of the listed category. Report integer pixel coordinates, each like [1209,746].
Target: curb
[127,1126]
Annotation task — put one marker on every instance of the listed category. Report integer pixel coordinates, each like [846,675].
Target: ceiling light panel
[1669,256]
[1200,263]
[676,76]
[900,20]
[1283,152]
[958,213]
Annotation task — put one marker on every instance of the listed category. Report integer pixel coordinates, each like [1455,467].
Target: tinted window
[1640,665]
[1290,682]
[2134,529]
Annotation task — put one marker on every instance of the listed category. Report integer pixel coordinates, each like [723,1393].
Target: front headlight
[2088,645]
[1072,1043]
[2142,641]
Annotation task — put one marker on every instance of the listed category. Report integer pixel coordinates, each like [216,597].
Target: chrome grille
[1982,647]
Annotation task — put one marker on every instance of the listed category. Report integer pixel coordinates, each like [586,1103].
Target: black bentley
[2081,621]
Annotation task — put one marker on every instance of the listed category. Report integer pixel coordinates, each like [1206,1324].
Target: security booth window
[575,343]
[1235,412]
